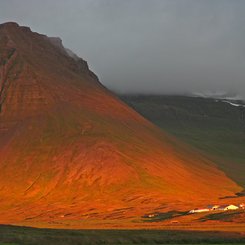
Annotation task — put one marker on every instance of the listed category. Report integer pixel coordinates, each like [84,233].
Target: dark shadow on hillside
[238,194]
[227,216]
[157,217]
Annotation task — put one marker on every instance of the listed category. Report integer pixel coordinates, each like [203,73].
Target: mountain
[216,127]
[72,153]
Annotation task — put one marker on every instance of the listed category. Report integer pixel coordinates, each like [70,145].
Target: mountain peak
[14,26]
[27,57]
[9,24]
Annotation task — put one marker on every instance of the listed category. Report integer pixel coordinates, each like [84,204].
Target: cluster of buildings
[218,208]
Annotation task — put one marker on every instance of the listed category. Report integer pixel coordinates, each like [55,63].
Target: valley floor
[13,235]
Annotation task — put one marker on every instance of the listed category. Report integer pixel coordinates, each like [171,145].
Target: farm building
[228,207]
[242,205]
[213,207]
[198,210]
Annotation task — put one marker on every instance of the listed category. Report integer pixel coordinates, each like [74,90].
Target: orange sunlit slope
[69,147]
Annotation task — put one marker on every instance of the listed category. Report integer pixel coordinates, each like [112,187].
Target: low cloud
[157,46]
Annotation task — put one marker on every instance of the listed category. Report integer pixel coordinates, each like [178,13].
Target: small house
[198,210]
[213,207]
[242,205]
[228,207]
[151,215]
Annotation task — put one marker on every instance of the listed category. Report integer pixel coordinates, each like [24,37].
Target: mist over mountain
[146,46]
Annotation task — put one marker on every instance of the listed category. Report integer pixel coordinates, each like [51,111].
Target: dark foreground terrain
[24,235]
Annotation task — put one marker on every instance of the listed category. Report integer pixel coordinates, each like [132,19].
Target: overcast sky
[161,46]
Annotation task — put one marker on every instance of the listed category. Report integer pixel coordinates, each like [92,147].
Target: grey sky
[162,46]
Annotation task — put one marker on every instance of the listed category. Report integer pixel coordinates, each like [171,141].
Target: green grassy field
[30,236]
[216,129]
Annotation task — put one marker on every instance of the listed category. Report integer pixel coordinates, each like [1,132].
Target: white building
[242,205]
[213,207]
[228,207]
[198,210]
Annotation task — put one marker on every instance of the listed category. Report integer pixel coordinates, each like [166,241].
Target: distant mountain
[214,126]
[72,153]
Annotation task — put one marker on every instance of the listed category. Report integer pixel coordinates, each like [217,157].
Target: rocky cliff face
[69,147]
